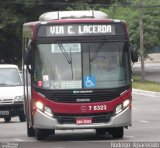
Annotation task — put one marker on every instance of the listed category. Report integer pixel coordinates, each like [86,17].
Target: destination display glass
[80,30]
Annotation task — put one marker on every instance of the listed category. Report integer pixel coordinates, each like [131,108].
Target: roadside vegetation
[17,12]
[147,85]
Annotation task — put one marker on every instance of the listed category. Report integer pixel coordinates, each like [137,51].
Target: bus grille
[67,96]
[95,97]
[71,119]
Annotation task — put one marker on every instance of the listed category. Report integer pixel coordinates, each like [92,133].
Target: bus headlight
[39,105]
[122,106]
[18,99]
[125,103]
[46,110]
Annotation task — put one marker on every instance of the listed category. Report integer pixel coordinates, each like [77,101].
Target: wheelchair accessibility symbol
[89,82]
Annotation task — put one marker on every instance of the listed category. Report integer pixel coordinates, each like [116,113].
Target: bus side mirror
[134,54]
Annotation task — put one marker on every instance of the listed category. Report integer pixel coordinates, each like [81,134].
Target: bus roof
[63,16]
[57,15]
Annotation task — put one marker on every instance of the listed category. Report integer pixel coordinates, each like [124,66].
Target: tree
[151,17]
[12,16]
[14,13]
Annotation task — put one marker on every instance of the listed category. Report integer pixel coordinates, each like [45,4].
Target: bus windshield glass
[82,65]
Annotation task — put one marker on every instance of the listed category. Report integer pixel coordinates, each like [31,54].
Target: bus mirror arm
[134,54]
[27,56]
[29,69]
[27,59]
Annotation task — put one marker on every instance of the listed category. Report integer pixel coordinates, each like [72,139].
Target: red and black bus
[77,73]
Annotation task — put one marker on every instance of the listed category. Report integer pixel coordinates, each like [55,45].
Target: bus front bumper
[42,121]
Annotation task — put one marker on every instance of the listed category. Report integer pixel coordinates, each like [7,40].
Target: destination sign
[77,30]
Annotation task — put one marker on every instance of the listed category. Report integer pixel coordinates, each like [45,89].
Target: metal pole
[141,41]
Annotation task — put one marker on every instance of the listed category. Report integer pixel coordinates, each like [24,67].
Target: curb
[146,93]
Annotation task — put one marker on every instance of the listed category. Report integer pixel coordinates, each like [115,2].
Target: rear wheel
[117,132]
[7,119]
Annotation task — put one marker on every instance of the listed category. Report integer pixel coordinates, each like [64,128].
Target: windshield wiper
[71,63]
[97,51]
[69,59]
[64,52]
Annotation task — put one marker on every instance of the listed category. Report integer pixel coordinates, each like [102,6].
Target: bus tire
[117,132]
[101,131]
[42,134]
[30,131]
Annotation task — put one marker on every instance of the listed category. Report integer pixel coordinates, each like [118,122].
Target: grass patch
[147,85]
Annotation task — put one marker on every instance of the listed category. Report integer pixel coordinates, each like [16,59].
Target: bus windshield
[82,65]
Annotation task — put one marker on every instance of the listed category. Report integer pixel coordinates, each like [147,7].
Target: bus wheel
[101,131]
[30,131]
[22,118]
[117,132]
[7,119]
[42,134]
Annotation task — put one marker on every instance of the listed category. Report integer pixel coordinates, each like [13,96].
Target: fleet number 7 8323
[97,107]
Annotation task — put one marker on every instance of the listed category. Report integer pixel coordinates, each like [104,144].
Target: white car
[11,93]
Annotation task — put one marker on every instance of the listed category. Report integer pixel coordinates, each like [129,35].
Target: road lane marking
[154,109]
[18,140]
[128,136]
[144,121]
[135,108]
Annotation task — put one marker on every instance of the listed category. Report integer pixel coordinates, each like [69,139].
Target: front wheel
[42,134]
[117,132]
[101,131]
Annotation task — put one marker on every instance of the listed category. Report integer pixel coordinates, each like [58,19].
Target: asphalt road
[145,128]
[152,71]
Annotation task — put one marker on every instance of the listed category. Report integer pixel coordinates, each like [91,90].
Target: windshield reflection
[72,65]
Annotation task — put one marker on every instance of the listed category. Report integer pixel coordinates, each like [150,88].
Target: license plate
[83,120]
[4,112]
